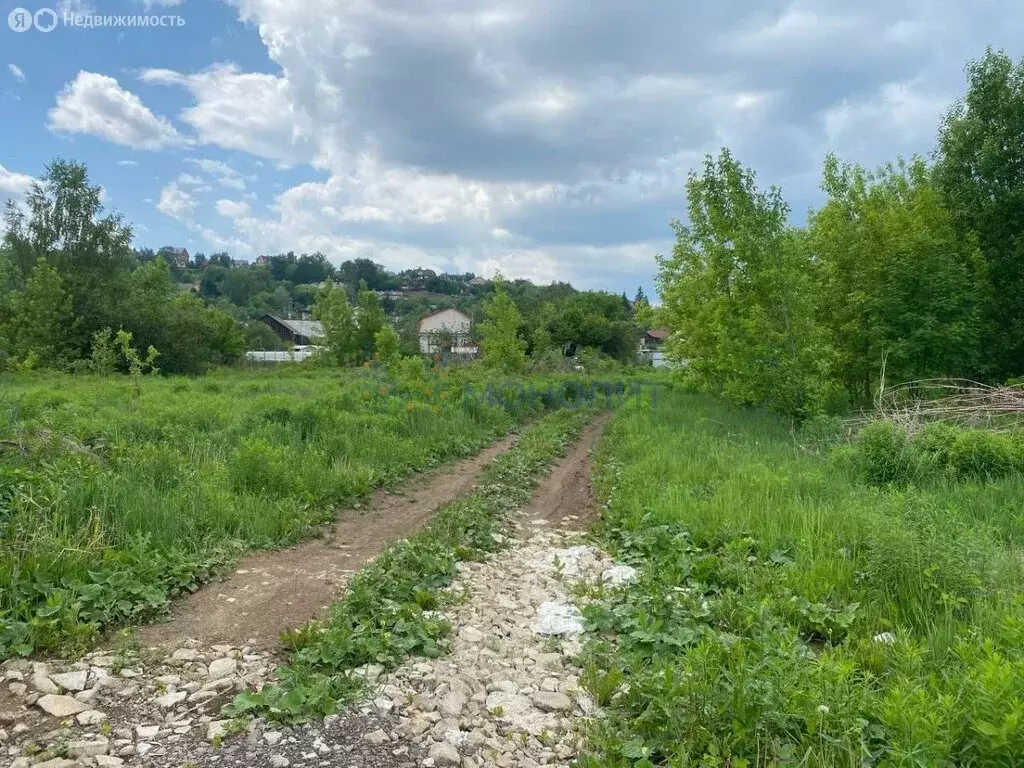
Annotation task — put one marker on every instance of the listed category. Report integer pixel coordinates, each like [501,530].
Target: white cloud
[16,71]
[129,163]
[75,8]
[224,174]
[13,185]
[176,203]
[232,209]
[96,104]
[798,27]
[188,179]
[489,129]
[147,4]
[899,116]
[247,111]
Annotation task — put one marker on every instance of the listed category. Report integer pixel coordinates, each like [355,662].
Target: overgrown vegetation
[387,613]
[116,493]
[788,613]
[67,272]
[884,454]
[908,272]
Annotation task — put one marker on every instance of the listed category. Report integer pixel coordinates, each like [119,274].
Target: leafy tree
[312,268]
[737,291]
[40,321]
[104,351]
[502,346]
[340,329]
[899,284]
[377,278]
[134,362]
[387,345]
[197,337]
[980,157]
[592,319]
[643,314]
[65,225]
[260,336]
[143,309]
[370,319]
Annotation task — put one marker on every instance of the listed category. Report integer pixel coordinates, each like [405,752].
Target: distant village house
[447,330]
[179,255]
[652,347]
[302,333]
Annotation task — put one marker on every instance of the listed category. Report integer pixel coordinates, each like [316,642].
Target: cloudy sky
[548,138]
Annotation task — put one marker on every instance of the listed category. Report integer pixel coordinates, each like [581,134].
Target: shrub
[883,454]
[981,455]
[261,468]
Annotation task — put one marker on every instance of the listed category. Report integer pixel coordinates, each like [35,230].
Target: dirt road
[493,639]
[270,592]
[566,491]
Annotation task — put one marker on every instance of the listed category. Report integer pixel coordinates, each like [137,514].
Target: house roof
[466,317]
[311,329]
[659,333]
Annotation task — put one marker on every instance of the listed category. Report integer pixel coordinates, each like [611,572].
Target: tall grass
[770,579]
[111,502]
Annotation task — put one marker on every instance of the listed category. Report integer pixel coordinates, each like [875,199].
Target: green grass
[113,501]
[766,573]
[386,613]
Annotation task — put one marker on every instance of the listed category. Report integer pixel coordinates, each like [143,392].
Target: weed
[114,504]
[750,635]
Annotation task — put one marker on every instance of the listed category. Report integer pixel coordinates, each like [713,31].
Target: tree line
[75,295]
[914,270]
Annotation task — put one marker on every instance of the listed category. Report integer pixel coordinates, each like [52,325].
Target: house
[444,330]
[652,347]
[262,260]
[179,255]
[188,287]
[239,263]
[478,281]
[299,332]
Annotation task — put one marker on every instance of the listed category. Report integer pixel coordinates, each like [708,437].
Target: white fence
[274,356]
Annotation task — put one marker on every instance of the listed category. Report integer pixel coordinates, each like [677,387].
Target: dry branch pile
[960,402]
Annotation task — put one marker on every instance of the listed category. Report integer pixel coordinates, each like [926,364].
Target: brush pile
[959,402]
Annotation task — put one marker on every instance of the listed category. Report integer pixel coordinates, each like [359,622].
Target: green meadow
[789,612]
[116,495]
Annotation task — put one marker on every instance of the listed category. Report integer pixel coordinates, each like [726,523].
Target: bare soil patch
[566,491]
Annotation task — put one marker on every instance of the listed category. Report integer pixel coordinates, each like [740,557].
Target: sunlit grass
[779,568]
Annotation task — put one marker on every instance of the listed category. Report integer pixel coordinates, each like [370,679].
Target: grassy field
[787,613]
[114,498]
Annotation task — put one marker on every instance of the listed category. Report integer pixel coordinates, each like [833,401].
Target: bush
[883,454]
[977,454]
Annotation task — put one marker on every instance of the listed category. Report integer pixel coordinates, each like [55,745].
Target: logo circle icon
[45,19]
[20,19]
